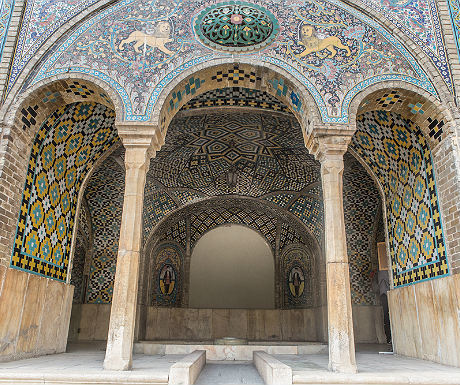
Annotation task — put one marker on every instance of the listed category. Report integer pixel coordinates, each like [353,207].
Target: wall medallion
[236,27]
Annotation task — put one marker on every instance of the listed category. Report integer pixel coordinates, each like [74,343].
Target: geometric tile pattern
[249,154]
[208,219]
[397,152]
[280,199]
[157,204]
[235,75]
[78,265]
[186,196]
[190,89]
[177,233]
[65,148]
[310,211]
[104,195]
[236,97]
[289,236]
[360,205]
[82,245]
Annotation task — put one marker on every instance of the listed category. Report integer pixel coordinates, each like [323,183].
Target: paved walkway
[373,368]
[83,364]
[237,372]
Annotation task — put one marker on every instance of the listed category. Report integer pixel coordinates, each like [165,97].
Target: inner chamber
[233,231]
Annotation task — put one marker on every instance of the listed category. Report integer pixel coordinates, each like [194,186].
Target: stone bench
[272,371]
[187,370]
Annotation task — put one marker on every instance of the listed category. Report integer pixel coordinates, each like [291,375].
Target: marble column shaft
[340,321]
[329,145]
[123,314]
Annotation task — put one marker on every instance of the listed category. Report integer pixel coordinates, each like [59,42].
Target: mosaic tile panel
[186,196]
[209,219]
[281,200]
[310,211]
[328,46]
[398,154]
[454,10]
[104,195]
[289,236]
[79,257]
[41,18]
[167,276]
[176,233]
[157,204]
[78,265]
[6,10]
[360,206]
[64,150]
[236,97]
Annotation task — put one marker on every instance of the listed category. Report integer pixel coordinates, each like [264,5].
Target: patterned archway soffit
[398,154]
[65,148]
[326,45]
[236,97]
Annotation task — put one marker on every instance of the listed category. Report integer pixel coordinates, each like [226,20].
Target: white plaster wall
[232,267]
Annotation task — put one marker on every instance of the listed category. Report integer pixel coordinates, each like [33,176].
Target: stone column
[329,150]
[124,301]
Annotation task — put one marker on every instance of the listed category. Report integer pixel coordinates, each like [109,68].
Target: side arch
[437,120]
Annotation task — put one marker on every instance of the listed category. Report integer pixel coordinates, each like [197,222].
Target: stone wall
[425,322]
[35,314]
[91,321]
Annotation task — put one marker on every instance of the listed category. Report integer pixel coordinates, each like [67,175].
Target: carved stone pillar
[139,150]
[329,150]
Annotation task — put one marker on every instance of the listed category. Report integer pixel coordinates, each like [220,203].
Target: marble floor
[376,365]
[83,364]
[237,372]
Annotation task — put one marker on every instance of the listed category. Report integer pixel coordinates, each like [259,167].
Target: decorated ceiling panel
[250,154]
[139,47]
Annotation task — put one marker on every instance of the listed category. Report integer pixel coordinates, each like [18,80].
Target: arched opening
[232,267]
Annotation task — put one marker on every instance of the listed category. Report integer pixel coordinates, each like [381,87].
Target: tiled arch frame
[19,127]
[96,7]
[66,29]
[308,239]
[231,72]
[440,125]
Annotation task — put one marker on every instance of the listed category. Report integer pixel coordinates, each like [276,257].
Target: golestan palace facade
[132,129]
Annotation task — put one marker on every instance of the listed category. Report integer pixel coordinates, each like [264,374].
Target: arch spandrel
[355,53]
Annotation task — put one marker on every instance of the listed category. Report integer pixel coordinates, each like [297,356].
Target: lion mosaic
[158,39]
[313,43]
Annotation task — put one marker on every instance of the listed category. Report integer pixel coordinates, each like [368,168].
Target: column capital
[328,143]
[135,135]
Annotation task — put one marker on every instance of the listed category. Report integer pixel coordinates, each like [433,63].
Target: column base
[115,363]
[343,368]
